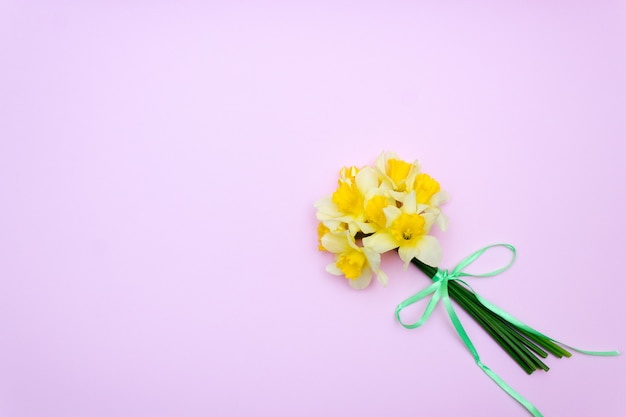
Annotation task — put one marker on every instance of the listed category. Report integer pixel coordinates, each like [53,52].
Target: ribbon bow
[439,289]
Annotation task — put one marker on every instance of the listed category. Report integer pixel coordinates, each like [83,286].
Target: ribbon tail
[491,374]
[506,316]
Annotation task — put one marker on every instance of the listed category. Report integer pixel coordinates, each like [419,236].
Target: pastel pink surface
[158,169]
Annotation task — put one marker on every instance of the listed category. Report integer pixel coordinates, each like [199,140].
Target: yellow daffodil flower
[347,203]
[407,230]
[356,263]
[395,171]
[428,192]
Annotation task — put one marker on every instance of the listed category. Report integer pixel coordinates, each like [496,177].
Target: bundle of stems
[523,347]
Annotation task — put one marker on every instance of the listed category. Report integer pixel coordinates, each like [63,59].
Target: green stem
[520,344]
[505,337]
[461,291]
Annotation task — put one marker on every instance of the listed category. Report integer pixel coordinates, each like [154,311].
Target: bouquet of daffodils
[393,205]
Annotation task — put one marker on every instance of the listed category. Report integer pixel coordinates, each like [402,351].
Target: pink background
[158,167]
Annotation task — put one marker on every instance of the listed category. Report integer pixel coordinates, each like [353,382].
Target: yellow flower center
[398,171]
[407,229]
[374,210]
[321,231]
[351,263]
[425,188]
[348,198]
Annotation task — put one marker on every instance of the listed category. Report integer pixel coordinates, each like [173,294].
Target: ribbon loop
[432,288]
[457,272]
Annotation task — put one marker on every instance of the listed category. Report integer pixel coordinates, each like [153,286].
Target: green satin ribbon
[439,289]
